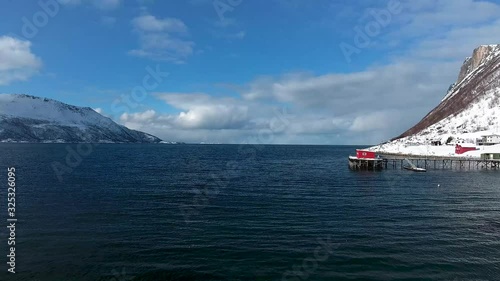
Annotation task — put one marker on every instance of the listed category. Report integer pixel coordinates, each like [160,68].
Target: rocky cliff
[479,56]
[476,94]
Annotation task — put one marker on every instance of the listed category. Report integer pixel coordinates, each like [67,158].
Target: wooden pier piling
[443,163]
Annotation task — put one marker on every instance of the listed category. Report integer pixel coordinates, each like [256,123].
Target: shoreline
[426,156]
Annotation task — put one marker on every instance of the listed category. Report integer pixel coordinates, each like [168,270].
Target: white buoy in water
[439,185]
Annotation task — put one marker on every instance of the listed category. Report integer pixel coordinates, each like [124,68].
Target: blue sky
[276,71]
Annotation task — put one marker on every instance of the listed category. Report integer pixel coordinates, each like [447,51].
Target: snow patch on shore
[478,119]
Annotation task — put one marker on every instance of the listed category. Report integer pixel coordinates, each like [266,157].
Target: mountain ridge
[469,111]
[478,76]
[32,119]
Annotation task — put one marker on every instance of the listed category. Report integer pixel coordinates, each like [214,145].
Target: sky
[241,71]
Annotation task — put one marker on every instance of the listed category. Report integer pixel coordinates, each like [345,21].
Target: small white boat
[412,167]
[416,169]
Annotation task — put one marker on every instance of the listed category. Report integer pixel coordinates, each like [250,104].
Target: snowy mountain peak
[478,90]
[26,118]
[470,109]
[27,106]
[481,55]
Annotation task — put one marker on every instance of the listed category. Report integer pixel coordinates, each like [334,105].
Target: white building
[491,139]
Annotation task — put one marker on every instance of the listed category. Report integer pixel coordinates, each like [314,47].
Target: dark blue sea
[232,212]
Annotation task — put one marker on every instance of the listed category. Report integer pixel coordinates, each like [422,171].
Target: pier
[367,164]
[368,160]
[443,163]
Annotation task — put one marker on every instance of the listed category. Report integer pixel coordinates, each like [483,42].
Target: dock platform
[356,163]
[443,163]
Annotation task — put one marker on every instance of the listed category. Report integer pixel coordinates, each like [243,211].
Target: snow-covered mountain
[470,109]
[25,118]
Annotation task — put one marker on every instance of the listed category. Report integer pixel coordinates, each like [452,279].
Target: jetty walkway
[436,163]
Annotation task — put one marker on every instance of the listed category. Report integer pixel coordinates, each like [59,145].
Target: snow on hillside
[479,119]
[481,116]
[472,65]
[25,118]
[401,147]
[30,107]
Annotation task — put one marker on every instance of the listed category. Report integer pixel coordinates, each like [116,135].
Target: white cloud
[149,23]
[429,16]
[390,98]
[201,111]
[367,106]
[226,27]
[99,4]
[138,117]
[229,119]
[386,99]
[162,39]
[374,121]
[17,62]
